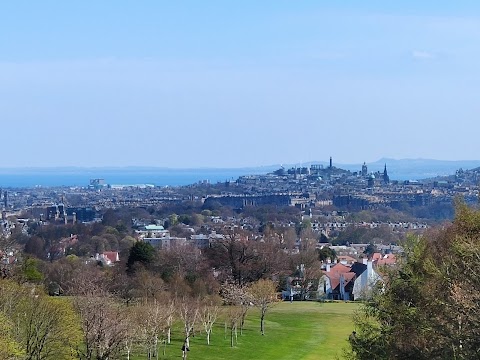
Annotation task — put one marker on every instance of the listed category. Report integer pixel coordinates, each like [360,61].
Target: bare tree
[104,322]
[307,270]
[170,311]
[234,315]
[264,293]
[239,296]
[149,286]
[7,243]
[209,314]
[189,311]
[152,318]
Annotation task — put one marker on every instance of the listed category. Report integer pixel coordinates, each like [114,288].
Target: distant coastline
[404,169]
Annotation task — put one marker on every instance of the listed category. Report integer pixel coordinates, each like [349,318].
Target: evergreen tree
[141,252]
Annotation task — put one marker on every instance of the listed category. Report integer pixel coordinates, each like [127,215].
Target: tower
[364,170]
[5,199]
[386,178]
[330,162]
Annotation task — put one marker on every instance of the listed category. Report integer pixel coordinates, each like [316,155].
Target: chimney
[328,267]
[369,268]
[365,261]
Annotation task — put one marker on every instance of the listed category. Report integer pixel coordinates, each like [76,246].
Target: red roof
[111,255]
[335,277]
[388,259]
[340,268]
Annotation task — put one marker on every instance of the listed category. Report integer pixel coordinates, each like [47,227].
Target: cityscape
[213,180]
[321,232]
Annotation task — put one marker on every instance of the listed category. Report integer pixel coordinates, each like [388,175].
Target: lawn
[301,330]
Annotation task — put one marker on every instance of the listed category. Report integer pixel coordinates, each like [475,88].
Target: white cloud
[422,55]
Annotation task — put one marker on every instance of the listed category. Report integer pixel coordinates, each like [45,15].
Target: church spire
[386,178]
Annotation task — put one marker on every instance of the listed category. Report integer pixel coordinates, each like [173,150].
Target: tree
[326,253]
[189,310]
[148,286]
[170,311]
[236,295]
[49,328]
[234,314]
[31,272]
[152,320]
[142,253]
[307,271]
[370,250]
[35,246]
[247,261]
[7,243]
[208,315]
[264,294]
[35,325]
[104,322]
[429,306]
[10,348]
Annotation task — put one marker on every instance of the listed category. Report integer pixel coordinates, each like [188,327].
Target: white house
[365,282]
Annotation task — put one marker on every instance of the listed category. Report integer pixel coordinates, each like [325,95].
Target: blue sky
[237,83]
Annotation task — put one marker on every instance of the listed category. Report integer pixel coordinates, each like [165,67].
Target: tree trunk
[244,315]
[169,331]
[262,325]
[208,338]
[184,349]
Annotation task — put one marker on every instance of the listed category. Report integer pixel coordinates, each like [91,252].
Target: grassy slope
[302,330]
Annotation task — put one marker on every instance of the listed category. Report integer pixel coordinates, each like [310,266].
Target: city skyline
[222,85]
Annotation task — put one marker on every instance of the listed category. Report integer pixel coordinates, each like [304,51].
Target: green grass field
[301,330]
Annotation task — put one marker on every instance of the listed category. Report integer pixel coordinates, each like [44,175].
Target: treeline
[108,314]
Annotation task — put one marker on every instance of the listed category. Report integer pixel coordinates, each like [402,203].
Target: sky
[208,83]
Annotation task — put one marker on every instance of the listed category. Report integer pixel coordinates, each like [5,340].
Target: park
[298,330]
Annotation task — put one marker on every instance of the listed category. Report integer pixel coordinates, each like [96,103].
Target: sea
[25,178]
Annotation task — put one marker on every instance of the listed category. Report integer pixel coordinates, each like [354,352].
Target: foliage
[10,348]
[35,325]
[247,261]
[326,253]
[430,305]
[142,253]
[264,293]
[31,271]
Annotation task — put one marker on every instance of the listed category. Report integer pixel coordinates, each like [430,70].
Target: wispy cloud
[422,55]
